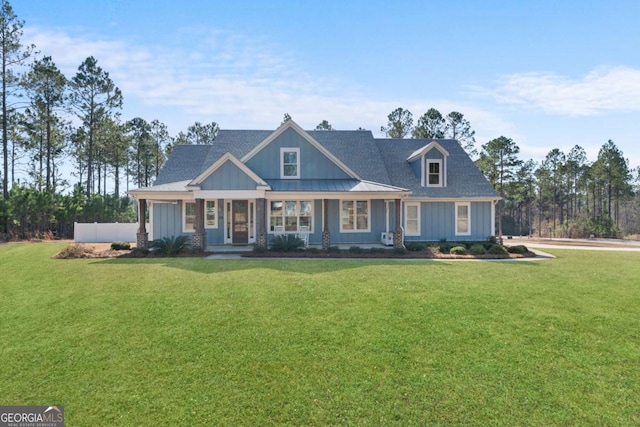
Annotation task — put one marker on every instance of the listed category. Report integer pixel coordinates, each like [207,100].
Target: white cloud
[601,91]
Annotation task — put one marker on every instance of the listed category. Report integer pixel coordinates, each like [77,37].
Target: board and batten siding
[376,223]
[437,221]
[228,177]
[313,164]
[167,219]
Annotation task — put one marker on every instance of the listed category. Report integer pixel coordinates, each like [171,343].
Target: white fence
[105,232]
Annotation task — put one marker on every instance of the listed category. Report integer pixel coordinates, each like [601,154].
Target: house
[344,187]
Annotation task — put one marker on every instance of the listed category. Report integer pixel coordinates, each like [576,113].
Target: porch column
[398,238]
[200,236]
[326,236]
[142,237]
[261,214]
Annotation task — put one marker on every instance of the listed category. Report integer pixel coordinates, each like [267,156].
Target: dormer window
[434,173]
[289,163]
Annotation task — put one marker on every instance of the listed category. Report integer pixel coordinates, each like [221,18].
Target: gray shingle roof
[380,161]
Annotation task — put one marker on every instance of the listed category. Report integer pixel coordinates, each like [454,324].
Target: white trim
[215,209]
[420,152]
[440,163]
[455,225]
[406,218]
[229,194]
[284,150]
[312,216]
[355,215]
[452,199]
[226,157]
[493,217]
[150,230]
[164,196]
[293,125]
[184,216]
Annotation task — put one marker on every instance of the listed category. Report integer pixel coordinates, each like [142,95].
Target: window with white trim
[412,219]
[289,163]
[210,214]
[434,172]
[354,215]
[463,219]
[188,216]
[291,214]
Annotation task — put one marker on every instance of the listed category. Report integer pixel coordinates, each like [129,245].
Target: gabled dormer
[430,164]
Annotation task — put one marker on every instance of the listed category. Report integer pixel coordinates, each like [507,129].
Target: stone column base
[398,238]
[262,240]
[200,241]
[142,240]
[326,240]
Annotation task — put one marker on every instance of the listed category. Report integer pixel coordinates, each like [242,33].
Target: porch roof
[331,186]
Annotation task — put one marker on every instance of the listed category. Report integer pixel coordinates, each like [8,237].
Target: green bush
[356,250]
[120,246]
[415,246]
[517,249]
[458,250]
[286,243]
[333,249]
[378,250]
[399,251]
[259,249]
[444,247]
[312,250]
[171,246]
[477,249]
[497,250]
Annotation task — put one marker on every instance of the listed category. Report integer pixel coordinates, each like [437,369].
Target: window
[355,215]
[463,219]
[412,219]
[189,215]
[291,214]
[434,173]
[289,163]
[210,214]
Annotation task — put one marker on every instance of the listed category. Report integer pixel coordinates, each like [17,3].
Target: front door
[240,222]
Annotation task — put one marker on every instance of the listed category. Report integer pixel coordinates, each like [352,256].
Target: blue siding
[438,221]
[167,220]
[313,164]
[434,154]
[376,218]
[416,165]
[215,236]
[228,177]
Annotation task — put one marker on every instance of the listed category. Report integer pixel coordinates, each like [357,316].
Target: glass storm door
[240,222]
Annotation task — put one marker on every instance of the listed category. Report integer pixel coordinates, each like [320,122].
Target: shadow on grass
[303,266]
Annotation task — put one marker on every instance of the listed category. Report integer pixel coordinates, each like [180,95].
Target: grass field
[192,342]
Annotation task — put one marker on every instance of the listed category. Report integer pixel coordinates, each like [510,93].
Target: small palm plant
[286,243]
[171,246]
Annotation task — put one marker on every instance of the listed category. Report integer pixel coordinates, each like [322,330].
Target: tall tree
[45,86]
[459,128]
[161,140]
[498,160]
[94,97]
[430,125]
[399,125]
[199,134]
[142,151]
[324,125]
[612,170]
[12,56]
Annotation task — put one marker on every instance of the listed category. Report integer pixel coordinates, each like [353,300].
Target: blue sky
[548,74]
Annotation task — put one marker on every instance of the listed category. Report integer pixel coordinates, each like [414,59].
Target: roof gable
[290,124]
[222,161]
[424,150]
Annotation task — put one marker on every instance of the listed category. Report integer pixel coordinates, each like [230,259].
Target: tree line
[564,195]
[50,120]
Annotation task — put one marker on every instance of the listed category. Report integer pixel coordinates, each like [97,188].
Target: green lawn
[192,342]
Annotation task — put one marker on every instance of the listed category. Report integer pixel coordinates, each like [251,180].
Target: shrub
[492,239]
[333,249]
[138,253]
[356,250]
[399,251]
[120,246]
[171,246]
[458,250]
[517,249]
[259,249]
[477,249]
[444,247]
[312,250]
[415,246]
[378,250]
[497,250]
[286,243]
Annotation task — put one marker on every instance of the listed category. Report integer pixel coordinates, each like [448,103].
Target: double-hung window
[291,214]
[189,216]
[434,172]
[463,219]
[355,216]
[289,163]
[412,219]
[210,216]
